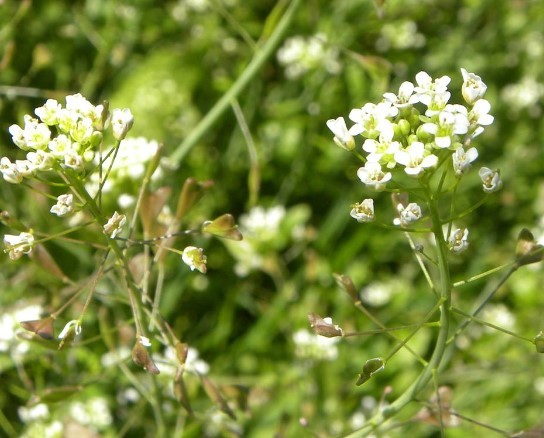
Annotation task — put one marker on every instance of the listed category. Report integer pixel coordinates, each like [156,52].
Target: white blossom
[462,159]
[383,150]
[9,171]
[64,205]
[404,98]
[342,137]
[458,241]
[194,258]
[115,225]
[407,215]
[370,118]
[16,246]
[372,175]
[473,87]
[121,122]
[479,114]
[491,180]
[415,159]
[48,113]
[35,135]
[364,211]
[313,347]
[427,89]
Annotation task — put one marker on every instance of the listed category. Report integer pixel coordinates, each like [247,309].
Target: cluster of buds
[411,133]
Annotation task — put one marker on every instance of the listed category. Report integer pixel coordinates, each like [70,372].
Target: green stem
[99,217]
[249,73]
[440,347]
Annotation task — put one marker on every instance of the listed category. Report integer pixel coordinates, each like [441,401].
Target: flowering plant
[65,150]
[419,146]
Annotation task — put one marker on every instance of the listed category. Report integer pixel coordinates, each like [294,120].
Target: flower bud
[404,126]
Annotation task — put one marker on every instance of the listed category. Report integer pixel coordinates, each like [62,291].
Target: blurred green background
[170,62]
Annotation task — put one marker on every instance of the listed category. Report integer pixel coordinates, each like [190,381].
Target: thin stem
[441,340]
[488,324]
[243,80]
[411,335]
[376,321]
[484,274]
[482,304]
[254,176]
[420,262]
[391,329]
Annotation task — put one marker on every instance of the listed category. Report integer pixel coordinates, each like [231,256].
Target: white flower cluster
[129,165]
[416,128]
[300,55]
[61,137]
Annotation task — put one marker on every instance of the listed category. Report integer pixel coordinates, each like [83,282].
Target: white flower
[311,346]
[77,103]
[194,258]
[82,131]
[414,159]
[9,171]
[383,150]
[300,55]
[451,121]
[121,122]
[479,114]
[473,87]
[427,89]
[73,160]
[491,179]
[405,96]
[48,113]
[370,118]
[193,364]
[93,412]
[364,211]
[73,326]
[64,205]
[372,175]
[407,215]
[35,135]
[115,225]
[462,160]
[33,413]
[263,224]
[41,160]
[18,136]
[18,245]
[458,241]
[341,135]
[59,145]
[67,119]
[25,167]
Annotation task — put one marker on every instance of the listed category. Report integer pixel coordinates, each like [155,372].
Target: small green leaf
[371,367]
